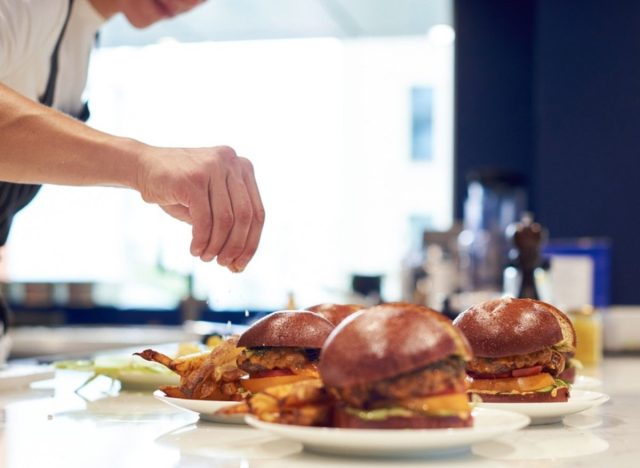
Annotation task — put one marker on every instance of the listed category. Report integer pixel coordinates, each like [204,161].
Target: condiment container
[588,324]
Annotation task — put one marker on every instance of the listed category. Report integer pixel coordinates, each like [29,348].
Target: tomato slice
[529,383]
[526,371]
[259,384]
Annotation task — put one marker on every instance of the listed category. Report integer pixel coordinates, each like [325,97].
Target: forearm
[211,188]
[41,145]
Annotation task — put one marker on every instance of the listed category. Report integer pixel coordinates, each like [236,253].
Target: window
[328,125]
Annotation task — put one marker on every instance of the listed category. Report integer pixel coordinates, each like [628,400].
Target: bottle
[291,301]
[527,238]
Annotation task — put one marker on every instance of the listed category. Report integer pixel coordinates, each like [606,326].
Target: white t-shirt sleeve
[27,25]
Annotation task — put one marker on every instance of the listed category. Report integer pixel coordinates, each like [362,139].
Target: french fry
[240,408]
[172,391]
[305,403]
[210,375]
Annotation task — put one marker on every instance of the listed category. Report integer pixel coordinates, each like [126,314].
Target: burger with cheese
[282,348]
[395,366]
[520,348]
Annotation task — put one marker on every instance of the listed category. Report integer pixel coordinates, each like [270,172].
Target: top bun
[387,340]
[335,313]
[287,328]
[568,332]
[510,326]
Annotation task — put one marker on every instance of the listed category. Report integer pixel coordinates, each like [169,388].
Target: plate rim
[548,412]
[159,394]
[543,404]
[210,416]
[520,421]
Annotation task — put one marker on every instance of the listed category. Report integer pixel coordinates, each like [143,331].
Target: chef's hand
[212,189]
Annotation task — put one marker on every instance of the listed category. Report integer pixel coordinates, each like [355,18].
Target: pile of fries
[210,375]
[214,375]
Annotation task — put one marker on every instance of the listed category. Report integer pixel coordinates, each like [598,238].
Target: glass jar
[588,324]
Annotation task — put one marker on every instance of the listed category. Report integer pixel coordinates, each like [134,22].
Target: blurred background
[398,145]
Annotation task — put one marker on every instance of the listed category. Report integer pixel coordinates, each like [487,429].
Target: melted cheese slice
[530,383]
[452,403]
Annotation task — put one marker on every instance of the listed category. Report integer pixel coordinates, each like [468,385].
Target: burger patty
[443,376]
[253,360]
[552,361]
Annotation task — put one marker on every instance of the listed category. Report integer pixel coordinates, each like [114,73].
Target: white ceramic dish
[135,380]
[133,372]
[488,423]
[205,408]
[18,376]
[585,382]
[548,413]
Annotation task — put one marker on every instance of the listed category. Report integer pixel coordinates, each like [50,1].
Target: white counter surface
[49,425]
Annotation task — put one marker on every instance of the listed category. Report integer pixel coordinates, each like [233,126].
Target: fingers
[257,222]
[200,213]
[221,200]
[242,217]
[238,216]
[221,215]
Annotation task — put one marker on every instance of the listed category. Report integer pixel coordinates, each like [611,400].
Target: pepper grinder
[527,238]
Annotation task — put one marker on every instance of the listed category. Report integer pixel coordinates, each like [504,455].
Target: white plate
[584,382]
[205,408]
[547,413]
[136,380]
[488,423]
[133,372]
[16,375]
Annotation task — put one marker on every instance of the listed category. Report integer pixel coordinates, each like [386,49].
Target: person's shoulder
[28,25]
[45,10]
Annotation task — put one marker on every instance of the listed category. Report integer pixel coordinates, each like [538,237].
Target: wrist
[128,162]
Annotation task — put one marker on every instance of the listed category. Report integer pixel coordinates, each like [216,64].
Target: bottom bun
[562,395]
[345,420]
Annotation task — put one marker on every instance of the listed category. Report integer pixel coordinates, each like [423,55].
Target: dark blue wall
[494,79]
[552,88]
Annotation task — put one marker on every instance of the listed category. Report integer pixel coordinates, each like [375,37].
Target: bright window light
[328,127]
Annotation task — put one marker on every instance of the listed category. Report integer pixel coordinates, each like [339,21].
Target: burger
[335,313]
[282,348]
[396,366]
[520,348]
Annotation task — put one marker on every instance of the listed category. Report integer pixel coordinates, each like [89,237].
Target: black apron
[14,197]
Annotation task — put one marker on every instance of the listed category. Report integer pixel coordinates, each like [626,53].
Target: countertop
[48,424]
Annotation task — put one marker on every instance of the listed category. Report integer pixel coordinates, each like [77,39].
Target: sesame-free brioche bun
[568,331]
[509,327]
[388,340]
[335,313]
[287,328]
